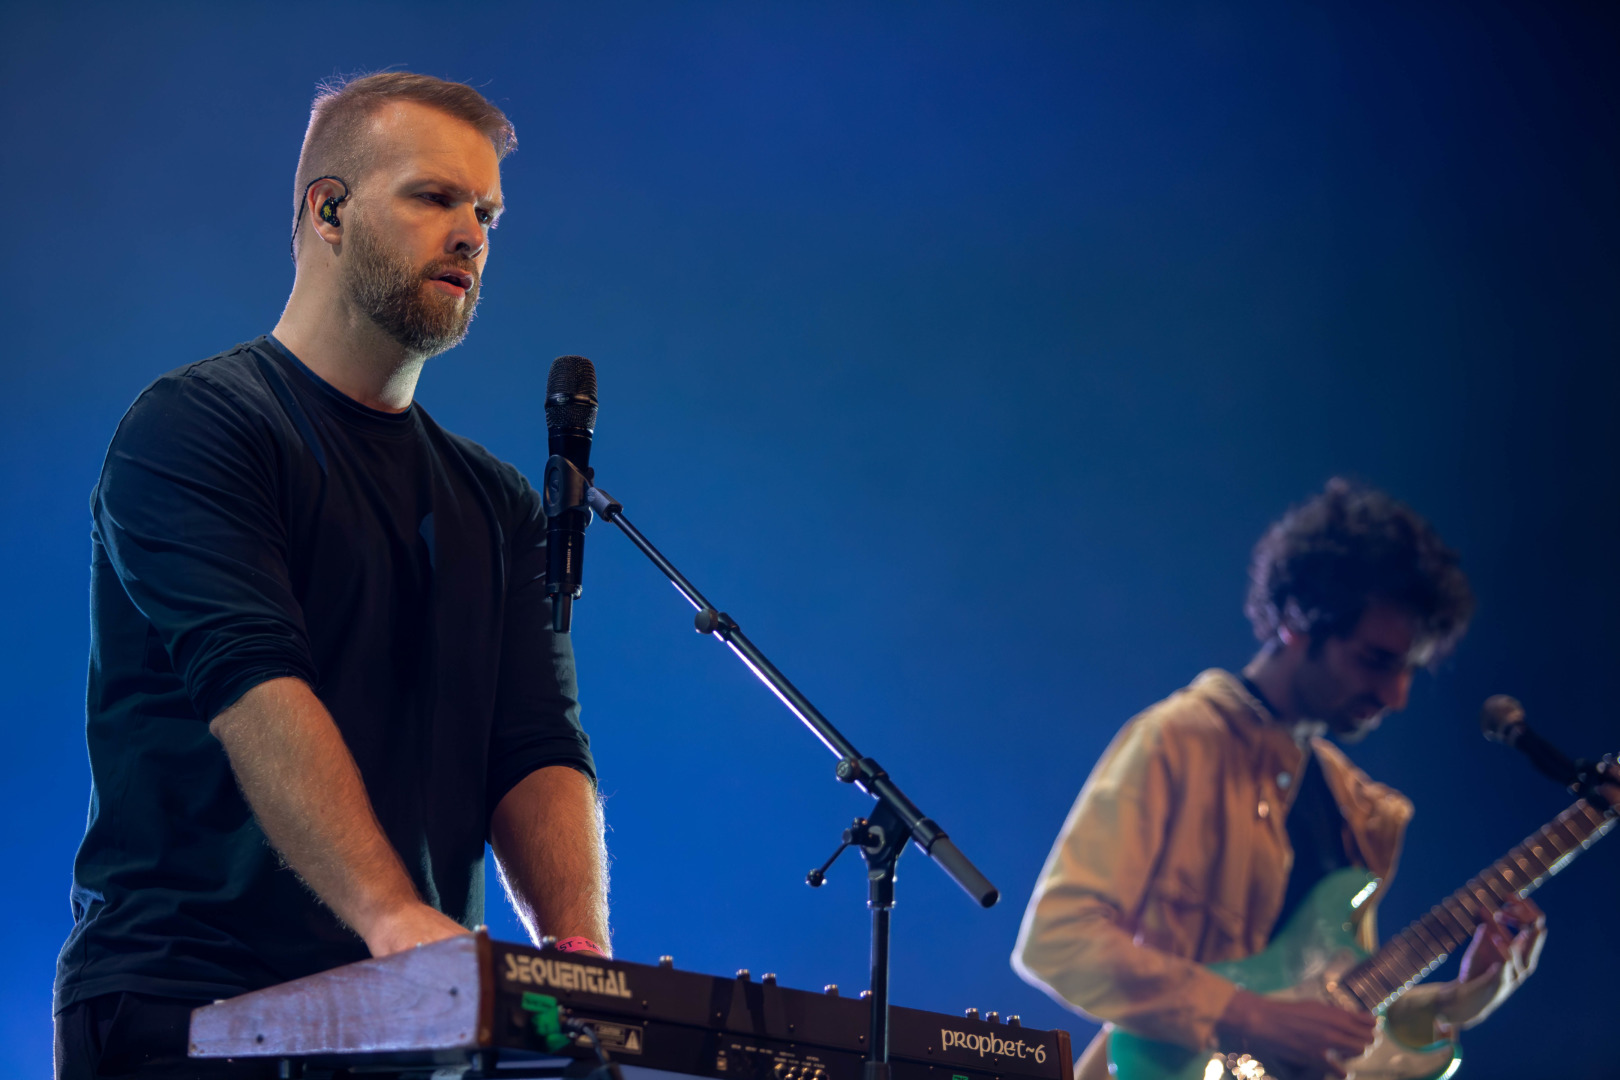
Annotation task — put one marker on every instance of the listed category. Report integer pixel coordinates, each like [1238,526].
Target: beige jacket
[1175,855]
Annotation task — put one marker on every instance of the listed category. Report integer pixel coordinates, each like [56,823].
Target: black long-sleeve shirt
[253,522]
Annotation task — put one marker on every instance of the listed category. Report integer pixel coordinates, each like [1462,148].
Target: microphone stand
[882,835]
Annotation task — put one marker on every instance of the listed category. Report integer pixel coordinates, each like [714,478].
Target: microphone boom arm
[896,817]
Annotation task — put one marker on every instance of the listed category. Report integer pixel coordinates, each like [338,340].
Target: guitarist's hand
[1502,955]
[1306,1033]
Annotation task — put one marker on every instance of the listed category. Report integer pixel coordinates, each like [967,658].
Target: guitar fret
[1594,817]
[1537,868]
[1462,897]
[1574,836]
[1463,929]
[1364,990]
[1505,893]
[1437,930]
[1432,944]
[1381,965]
[1397,958]
[1417,958]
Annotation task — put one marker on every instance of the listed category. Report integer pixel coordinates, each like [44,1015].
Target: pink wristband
[578,944]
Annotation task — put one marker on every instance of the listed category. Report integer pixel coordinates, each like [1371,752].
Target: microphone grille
[571,394]
[1501,718]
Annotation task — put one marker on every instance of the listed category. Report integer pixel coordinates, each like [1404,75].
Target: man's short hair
[336,143]
[1327,559]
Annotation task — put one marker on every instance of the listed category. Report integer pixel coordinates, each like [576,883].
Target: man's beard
[1317,696]
[395,295]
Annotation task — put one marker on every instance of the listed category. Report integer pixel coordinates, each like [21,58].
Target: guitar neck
[1416,950]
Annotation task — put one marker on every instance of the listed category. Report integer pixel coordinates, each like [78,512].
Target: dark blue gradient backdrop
[960,351]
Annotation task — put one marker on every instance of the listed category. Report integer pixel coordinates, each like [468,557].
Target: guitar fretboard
[1416,950]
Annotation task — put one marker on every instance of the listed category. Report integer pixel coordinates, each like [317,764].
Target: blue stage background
[960,351]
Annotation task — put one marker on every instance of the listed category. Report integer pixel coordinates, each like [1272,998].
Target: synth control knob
[1014,1021]
[548,941]
[742,974]
[866,995]
[993,1018]
[972,1014]
[769,978]
[666,961]
[831,989]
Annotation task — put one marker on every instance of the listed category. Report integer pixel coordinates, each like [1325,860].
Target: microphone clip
[564,488]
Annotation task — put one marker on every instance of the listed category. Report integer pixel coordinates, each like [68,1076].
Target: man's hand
[1305,1033]
[416,924]
[1502,955]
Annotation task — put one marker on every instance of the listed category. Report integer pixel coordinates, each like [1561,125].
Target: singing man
[322,670]
[1212,814]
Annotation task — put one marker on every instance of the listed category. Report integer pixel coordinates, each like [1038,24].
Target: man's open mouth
[460,280]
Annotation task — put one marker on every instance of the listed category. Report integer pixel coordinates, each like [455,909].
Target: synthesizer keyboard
[473,1007]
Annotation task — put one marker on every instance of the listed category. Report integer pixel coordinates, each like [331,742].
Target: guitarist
[1213,813]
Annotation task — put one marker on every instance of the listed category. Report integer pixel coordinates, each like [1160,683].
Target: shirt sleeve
[187,513]
[1076,941]
[537,701]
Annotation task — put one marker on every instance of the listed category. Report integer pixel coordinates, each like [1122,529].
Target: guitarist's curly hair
[1321,565]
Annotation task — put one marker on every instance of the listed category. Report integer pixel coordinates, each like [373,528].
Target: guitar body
[1301,963]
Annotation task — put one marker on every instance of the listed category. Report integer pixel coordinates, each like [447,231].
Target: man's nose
[469,236]
[1394,689]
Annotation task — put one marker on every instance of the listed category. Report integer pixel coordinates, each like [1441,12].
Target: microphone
[1502,720]
[570,422]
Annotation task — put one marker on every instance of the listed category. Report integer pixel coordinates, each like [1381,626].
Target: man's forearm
[306,791]
[547,834]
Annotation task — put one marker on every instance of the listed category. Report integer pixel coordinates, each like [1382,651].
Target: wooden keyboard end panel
[434,996]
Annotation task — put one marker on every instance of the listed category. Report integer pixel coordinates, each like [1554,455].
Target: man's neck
[349,351]
[1271,674]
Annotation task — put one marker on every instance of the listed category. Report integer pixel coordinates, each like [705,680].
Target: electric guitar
[1315,958]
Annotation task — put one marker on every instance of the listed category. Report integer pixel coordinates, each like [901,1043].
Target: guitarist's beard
[1321,696]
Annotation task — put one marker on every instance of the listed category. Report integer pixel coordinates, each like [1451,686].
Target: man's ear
[323,201]
[1294,629]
